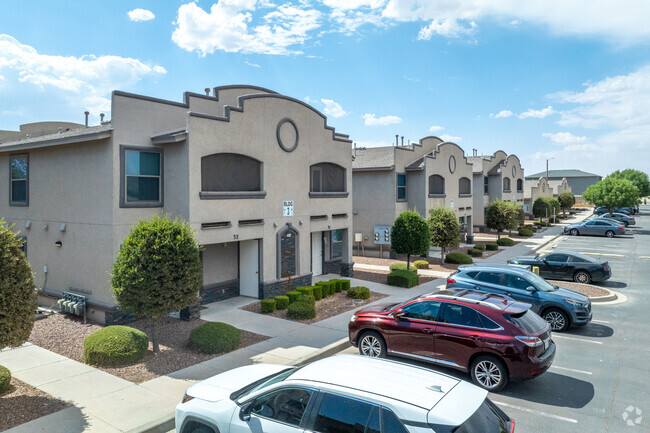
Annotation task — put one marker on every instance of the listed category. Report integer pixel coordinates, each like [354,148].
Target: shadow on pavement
[591,330]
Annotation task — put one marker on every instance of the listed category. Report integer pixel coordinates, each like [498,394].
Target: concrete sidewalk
[105,403]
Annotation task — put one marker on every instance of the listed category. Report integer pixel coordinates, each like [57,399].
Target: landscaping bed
[380,276]
[586,289]
[434,264]
[23,403]
[328,307]
[64,334]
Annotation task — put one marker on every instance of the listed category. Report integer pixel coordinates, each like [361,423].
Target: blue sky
[568,80]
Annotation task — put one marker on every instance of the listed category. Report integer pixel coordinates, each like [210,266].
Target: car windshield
[541,283]
[391,306]
[263,383]
[488,418]
[528,321]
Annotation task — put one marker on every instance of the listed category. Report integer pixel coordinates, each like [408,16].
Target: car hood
[378,308]
[220,387]
[573,295]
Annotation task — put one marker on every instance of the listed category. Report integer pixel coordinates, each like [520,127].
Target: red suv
[492,336]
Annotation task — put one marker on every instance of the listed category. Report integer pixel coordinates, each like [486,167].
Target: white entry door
[249,268]
[317,253]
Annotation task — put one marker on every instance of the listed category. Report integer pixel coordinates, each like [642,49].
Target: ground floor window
[337,244]
[288,249]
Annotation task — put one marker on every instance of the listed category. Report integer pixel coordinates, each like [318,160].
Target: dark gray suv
[559,306]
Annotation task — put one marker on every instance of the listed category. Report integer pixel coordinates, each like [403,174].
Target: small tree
[638,178]
[158,270]
[567,200]
[541,208]
[410,235]
[553,207]
[17,294]
[499,216]
[517,216]
[611,193]
[444,228]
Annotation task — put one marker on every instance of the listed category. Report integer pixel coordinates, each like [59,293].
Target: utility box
[382,235]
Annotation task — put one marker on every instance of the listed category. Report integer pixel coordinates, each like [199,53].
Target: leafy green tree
[17,291]
[500,216]
[444,228]
[553,207]
[158,270]
[517,216]
[567,200]
[410,235]
[638,178]
[540,208]
[612,192]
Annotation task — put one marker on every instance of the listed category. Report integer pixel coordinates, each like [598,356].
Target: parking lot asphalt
[600,378]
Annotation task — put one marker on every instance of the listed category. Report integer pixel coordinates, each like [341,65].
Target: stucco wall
[220,262]
[441,164]
[374,202]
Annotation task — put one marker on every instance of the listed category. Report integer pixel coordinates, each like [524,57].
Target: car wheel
[558,319]
[489,373]
[582,277]
[609,234]
[574,232]
[626,224]
[372,344]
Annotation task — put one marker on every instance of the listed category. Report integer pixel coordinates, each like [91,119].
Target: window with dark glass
[486,181]
[286,405]
[464,186]
[436,184]
[520,185]
[506,184]
[142,173]
[401,187]
[423,310]
[454,314]
[19,167]
[337,244]
[515,281]
[489,277]
[339,414]
[228,172]
[327,177]
[562,258]
[390,423]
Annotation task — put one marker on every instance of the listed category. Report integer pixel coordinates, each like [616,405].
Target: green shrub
[327,288]
[345,284]
[215,337]
[337,285]
[533,229]
[115,346]
[421,264]
[293,296]
[268,305]
[401,278]
[492,246]
[458,259]
[505,242]
[305,290]
[5,379]
[281,302]
[475,253]
[301,310]
[479,247]
[402,267]
[359,292]
[318,292]
[525,232]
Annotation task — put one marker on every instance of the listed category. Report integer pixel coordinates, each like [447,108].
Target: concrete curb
[324,352]
[161,425]
[606,298]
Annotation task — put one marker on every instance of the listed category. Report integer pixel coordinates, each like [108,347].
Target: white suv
[341,394]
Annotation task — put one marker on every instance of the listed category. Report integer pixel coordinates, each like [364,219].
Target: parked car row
[567,265]
[598,210]
[596,227]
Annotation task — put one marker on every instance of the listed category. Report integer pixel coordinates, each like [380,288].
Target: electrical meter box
[382,235]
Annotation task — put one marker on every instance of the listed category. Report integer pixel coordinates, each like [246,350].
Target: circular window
[287,134]
[514,171]
[452,164]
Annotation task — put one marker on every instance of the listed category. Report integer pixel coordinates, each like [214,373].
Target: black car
[567,265]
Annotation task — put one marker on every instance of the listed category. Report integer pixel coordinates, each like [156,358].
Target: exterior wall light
[58,244]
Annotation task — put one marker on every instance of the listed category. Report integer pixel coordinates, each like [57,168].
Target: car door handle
[428,330]
[475,337]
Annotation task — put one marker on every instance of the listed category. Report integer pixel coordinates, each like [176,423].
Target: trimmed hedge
[293,296]
[318,292]
[475,253]
[359,292]
[215,337]
[5,379]
[268,305]
[458,259]
[505,242]
[281,302]
[338,285]
[301,310]
[402,267]
[421,264]
[401,278]
[114,346]
[327,288]
[305,290]
[479,247]
[492,246]
[345,284]
[525,232]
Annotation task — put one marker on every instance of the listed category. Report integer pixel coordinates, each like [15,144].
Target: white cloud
[333,109]
[502,114]
[436,128]
[226,28]
[564,138]
[254,65]
[369,119]
[353,4]
[452,138]
[140,15]
[537,114]
[449,28]
[83,81]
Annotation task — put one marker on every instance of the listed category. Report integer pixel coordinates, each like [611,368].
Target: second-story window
[464,186]
[506,184]
[327,177]
[142,177]
[486,181]
[230,172]
[19,188]
[401,187]
[436,185]
[520,185]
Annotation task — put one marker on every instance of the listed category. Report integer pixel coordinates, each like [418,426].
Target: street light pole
[547,160]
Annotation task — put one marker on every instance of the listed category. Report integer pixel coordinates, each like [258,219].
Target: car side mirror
[399,314]
[531,289]
[245,412]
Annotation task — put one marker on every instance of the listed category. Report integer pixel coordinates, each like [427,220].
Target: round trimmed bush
[306,290]
[301,310]
[492,246]
[458,259]
[525,232]
[115,346]
[281,302]
[318,292]
[505,242]
[475,252]
[479,247]
[421,264]
[5,379]
[268,305]
[359,292]
[402,278]
[293,296]
[215,337]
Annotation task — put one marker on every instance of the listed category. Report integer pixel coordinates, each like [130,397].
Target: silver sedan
[596,227]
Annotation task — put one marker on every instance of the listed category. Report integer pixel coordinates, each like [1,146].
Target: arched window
[327,177]
[464,186]
[520,185]
[436,185]
[225,172]
[287,249]
[506,184]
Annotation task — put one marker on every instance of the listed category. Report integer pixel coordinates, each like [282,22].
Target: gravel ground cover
[325,308]
[434,263]
[380,276]
[23,403]
[586,289]
[64,334]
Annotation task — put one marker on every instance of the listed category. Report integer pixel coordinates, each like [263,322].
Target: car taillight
[606,267]
[512,425]
[450,280]
[530,341]
[621,228]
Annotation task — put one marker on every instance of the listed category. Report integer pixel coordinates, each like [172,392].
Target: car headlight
[575,303]
[353,318]
[186,398]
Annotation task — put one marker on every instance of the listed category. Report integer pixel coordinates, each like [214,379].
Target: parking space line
[601,254]
[571,369]
[536,412]
[576,339]
[600,321]
[645,257]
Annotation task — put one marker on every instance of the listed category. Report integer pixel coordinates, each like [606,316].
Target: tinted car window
[488,323]
[603,223]
[528,321]
[338,414]
[286,405]
[590,223]
[391,423]
[424,310]
[487,419]
[460,315]
[471,274]
[489,277]
[373,424]
[515,281]
[563,258]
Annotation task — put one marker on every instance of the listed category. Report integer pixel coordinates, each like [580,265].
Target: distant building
[578,180]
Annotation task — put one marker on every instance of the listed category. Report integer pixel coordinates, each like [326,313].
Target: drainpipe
[86,113]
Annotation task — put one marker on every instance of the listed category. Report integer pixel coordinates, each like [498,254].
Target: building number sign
[287,208]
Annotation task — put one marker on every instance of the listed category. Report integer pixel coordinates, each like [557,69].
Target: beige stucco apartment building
[261,177]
